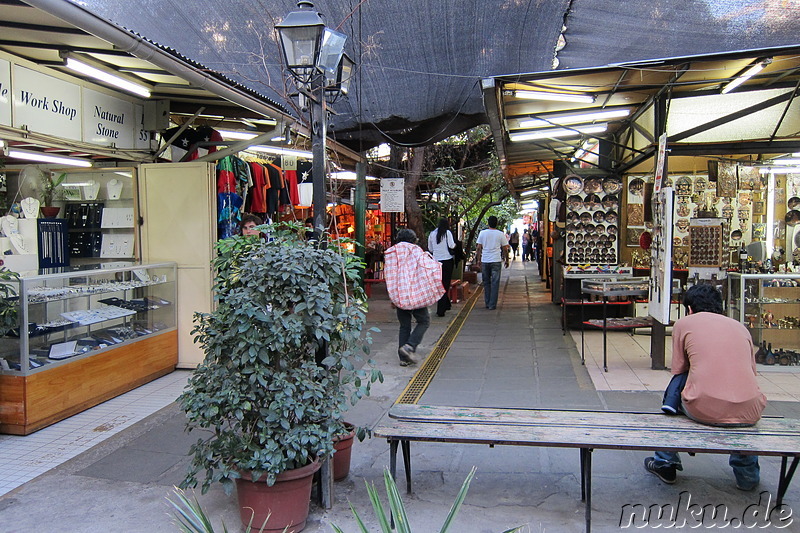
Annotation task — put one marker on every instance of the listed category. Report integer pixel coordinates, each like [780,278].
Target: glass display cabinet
[769,306]
[85,334]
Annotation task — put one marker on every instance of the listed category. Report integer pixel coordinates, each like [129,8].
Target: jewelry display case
[100,210]
[85,334]
[769,306]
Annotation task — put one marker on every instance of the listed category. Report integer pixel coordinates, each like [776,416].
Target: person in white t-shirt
[440,242]
[492,250]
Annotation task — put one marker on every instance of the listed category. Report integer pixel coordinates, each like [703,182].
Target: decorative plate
[574,202]
[612,185]
[592,202]
[573,184]
[599,216]
[611,201]
[592,185]
[611,217]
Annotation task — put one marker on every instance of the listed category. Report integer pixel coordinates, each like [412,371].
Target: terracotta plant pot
[341,457]
[286,502]
[49,211]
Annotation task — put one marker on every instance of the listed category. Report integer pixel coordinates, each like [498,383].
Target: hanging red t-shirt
[256,201]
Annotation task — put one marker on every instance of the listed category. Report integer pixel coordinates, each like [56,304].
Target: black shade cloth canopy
[420,63]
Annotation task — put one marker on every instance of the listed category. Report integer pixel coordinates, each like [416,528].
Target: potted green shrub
[269,403]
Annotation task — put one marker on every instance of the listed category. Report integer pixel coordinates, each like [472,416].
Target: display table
[632,287]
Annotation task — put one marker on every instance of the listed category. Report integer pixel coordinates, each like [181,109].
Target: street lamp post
[314,55]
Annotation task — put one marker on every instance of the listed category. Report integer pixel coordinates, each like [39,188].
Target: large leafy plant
[269,401]
[9,315]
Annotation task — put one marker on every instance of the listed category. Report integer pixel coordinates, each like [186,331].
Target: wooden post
[658,336]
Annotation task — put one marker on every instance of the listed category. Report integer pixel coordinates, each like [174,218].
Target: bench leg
[786,478]
[586,485]
[406,445]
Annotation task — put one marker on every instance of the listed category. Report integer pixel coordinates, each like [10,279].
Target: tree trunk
[413,211]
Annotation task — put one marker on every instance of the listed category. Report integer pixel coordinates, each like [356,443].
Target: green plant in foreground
[284,357]
[398,508]
[191,518]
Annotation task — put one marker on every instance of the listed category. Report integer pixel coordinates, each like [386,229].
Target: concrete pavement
[513,356]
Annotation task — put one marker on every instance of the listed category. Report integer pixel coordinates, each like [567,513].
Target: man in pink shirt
[716,354]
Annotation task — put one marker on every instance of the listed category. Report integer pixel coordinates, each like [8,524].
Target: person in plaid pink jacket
[413,281]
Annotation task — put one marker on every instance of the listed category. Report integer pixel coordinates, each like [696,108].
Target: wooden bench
[368,283]
[459,290]
[587,431]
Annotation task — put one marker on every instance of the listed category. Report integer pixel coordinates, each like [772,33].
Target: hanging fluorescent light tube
[786,161]
[749,73]
[40,157]
[557,132]
[779,170]
[556,97]
[529,192]
[280,151]
[237,135]
[83,67]
[575,118]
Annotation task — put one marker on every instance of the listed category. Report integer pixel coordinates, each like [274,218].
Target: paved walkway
[513,356]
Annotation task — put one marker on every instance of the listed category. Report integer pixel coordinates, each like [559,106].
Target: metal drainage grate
[423,377]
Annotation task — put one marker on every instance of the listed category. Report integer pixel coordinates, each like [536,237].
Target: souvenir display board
[592,220]
[661,254]
[706,242]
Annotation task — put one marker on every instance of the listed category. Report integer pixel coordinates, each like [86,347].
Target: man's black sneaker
[406,352]
[667,474]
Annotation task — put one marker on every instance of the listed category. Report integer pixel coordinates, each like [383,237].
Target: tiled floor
[24,458]
[629,366]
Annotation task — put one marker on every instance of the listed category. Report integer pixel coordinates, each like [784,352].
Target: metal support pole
[318,134]
[360,205]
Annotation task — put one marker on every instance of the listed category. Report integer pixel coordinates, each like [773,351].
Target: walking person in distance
[491,253]
[440,244]
[413,281]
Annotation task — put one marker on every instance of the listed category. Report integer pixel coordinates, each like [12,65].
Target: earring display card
[117,217]
[119,245]
[84,215]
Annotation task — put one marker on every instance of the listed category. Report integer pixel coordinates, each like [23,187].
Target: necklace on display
[30,207]
[114,188]
[90,190]
[10,225]
[18,243]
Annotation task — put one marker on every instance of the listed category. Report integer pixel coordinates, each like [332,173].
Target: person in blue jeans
[714,380]
[491,253]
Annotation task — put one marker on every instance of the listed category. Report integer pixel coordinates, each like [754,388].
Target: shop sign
[107,120]
[393,195]
[46,104]
[5,92]
[142,140]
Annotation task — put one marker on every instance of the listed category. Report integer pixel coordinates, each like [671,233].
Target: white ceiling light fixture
[792,161]
[746,75]
[40,157]
[557,132]
[279,151]
[779,170]
[554,96]
[529,192]
[575,118]
[237,135]
[88,68]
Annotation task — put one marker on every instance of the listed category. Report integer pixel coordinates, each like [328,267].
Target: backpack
[413,276]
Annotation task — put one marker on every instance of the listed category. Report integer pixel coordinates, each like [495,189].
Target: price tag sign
[393,195]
